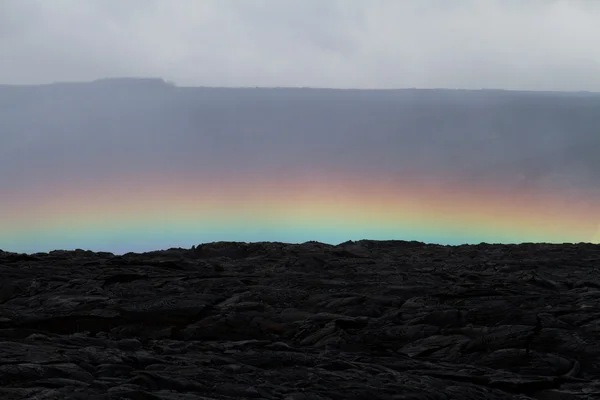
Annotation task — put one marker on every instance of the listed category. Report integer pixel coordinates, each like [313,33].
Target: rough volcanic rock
[361,320]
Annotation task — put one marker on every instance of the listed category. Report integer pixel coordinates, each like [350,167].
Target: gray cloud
[534,44]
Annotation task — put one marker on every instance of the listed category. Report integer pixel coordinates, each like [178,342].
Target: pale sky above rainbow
[468,44]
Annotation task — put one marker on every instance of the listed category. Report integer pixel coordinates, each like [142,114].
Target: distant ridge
[157,82]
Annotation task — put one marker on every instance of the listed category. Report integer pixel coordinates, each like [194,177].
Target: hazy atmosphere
[468,44]
[135,125]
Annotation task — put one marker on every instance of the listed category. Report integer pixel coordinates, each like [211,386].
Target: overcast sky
[509,44]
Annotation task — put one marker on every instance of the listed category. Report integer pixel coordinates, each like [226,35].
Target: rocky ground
[361,320]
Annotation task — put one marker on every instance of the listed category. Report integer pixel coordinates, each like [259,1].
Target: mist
[496,93]
[117,127]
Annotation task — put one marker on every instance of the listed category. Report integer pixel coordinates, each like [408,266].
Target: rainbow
[142,213]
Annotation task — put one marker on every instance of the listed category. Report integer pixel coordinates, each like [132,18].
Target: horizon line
[234,242]
[172,84]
